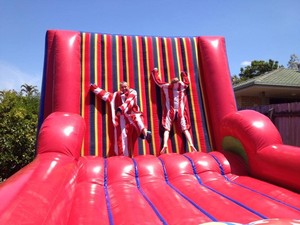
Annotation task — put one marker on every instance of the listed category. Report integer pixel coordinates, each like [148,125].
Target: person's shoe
[148,136]
[163,150]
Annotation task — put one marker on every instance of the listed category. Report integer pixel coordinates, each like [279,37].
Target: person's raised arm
[156,77]
[104,95]
[185,78]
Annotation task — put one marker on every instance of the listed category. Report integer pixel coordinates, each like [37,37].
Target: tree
[29,89]
[18,129]
[294,62]
[258,67]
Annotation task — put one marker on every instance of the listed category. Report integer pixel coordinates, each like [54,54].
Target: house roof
[277,83]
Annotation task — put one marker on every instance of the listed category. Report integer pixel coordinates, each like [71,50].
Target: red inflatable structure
[242,174]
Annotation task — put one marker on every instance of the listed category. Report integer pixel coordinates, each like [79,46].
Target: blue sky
[253,29]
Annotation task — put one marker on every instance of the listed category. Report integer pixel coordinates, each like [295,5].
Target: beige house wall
[250,101]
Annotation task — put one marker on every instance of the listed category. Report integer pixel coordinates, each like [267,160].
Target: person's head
[174,80]
[124,87]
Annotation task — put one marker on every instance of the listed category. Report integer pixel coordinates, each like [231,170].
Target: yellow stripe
[196,50]
[106,88]
[149,94]
[139,81]
[117,56]
[82,84]
[167,58]
[126,59]
[167,47]
[158,53]
[178,57]
[96,102]
[192,96]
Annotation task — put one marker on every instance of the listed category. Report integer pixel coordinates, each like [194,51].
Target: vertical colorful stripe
[109,59]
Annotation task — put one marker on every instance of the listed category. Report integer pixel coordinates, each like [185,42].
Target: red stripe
[111,80]
[160,54]
[179,55]
[130,69]
[116,71]
[142,95]
[193,86]
[120,55]
[152,89]
[109,66]
[169,52]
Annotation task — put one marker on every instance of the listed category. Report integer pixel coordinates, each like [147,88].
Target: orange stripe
[150,65]
[123,52]
[126,55]
[170,65]
[96,102]
[178,54]
[85,104]
[82,85]
[140,73]
[106,74]
[99,112]
[159,56]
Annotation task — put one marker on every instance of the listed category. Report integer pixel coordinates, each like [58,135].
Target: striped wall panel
[108,59]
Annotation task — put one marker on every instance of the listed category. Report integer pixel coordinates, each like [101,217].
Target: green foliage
[18,128]
[258,67]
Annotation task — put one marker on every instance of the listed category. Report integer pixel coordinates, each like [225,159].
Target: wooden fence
[286,117]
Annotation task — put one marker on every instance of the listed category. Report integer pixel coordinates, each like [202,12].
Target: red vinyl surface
[59,187]
[244,174]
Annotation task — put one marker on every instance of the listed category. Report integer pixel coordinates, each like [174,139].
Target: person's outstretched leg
[165,142]
[190,141]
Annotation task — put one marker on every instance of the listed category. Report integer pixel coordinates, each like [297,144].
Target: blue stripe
[220,166]
[137,87]
[250,189]
[164,59]
[185,197]
[188,93]
[109,211]
[157,91]
[42,98]
[144,195]
[146,89]
[102,107]
[114,62]
[223,195]
[175,58]
[92,105]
